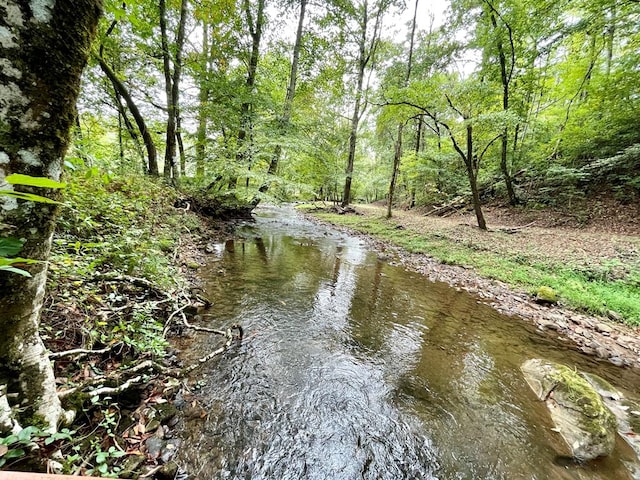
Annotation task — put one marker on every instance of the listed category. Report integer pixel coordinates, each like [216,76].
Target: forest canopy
[535,102]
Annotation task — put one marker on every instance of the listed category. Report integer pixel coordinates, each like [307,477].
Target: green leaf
[12,261]
[10,246]
[30,197]
[19,271]
[20,179]
[15,453]
[26,433]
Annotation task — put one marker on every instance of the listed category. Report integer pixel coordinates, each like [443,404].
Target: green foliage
[142,332]
[16,447]
[116,223]
[10,247]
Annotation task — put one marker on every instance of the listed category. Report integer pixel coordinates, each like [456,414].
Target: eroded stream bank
[355,368]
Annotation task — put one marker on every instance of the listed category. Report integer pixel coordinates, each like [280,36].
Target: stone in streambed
[583,420]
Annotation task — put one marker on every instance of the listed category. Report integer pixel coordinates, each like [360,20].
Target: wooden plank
[39,476]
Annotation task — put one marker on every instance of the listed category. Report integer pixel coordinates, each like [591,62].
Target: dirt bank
[601,337]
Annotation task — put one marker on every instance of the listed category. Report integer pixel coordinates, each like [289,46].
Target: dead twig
[132,382]
[515,229]
[79,352]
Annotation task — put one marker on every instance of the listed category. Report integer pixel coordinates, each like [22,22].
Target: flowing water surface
[355,369]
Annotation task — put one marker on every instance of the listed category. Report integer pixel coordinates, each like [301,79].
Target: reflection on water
[354,369]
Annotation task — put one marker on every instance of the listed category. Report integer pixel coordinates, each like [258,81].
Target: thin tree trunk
[394,173]
[363,59]
[397,157]
[244,156]
[203,100]
[183,156]
[285,119]
[130,130]
[137,116]
[46,94]
[505,77]
[610,38]
[472,175]
[172,84]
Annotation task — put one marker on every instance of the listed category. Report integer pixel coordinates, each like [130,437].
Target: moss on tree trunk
[44,46]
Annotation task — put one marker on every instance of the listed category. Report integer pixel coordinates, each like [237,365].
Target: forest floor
[590,259]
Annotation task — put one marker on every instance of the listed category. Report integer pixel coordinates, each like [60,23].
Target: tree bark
[394,172]
[43,54]
[472,174]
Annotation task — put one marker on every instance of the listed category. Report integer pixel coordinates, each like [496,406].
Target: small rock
[604,328]
[154,446]
[169,450]
[617,361]
[547,325]
[613,315]
[131,464]
[169,471]
[152,425]
[625,340]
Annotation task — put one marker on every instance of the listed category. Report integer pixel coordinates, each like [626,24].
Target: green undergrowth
[111,279]
[590,290]
[120,227]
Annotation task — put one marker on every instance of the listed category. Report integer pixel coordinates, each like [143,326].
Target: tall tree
[367,16]
[285,118]
[36,114]
[172,82]
[255,24]
[122,92]
[397,156]
[507,60]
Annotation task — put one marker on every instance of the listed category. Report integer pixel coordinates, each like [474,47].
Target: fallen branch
[79,351]
[454,205]
[132,382]
[515,229]
[202,329]
[205,359]
[115,377]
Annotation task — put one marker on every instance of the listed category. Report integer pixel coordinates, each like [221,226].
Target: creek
[352,368]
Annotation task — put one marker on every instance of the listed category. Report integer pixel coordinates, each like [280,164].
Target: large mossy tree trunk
[44,47]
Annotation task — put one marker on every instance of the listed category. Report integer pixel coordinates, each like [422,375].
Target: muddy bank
[595,336]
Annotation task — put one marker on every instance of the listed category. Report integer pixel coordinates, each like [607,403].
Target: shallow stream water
[355,369]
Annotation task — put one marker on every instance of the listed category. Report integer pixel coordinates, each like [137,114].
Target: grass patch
[596,294]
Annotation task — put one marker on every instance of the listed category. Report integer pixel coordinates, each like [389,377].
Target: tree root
[144,372]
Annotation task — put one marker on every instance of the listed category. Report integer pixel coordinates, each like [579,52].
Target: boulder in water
[576,408]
